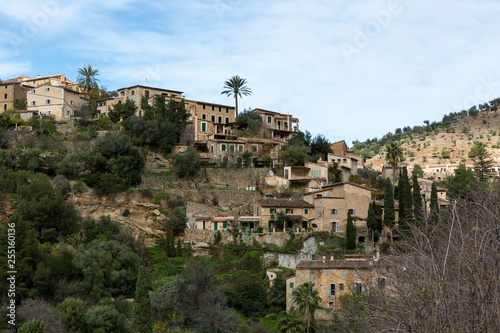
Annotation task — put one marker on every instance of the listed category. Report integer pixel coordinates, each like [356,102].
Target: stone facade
[332,203]
[297,213]
[331,278]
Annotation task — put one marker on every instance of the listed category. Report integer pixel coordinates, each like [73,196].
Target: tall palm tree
[236,86]
[87,78]
[393,156]
[307,301]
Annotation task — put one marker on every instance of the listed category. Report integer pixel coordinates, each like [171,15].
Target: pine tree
[371,221]
[350,233]
[434,206]
[389,211]
[142,304]
[418,213]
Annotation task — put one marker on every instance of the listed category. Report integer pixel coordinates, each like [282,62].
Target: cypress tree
[389,211]
[405,205]
[142,303]
[371,221]
[378,216]
[434,206]
[418,213]
[350,233]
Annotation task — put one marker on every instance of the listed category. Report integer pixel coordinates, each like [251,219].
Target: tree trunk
[236,109]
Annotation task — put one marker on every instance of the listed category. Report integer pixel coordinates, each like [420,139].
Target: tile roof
[333,264]
[284,203]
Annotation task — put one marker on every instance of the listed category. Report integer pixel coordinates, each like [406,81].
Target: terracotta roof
[284,203]
[148,87]
[333,264]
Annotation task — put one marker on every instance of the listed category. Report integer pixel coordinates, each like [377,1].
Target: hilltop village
[186,179]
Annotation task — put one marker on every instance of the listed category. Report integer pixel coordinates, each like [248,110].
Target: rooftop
[284,203]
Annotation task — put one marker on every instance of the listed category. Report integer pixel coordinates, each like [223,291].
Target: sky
[348,69]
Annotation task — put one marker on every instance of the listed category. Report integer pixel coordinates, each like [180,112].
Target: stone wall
[206,236]
[239,177]
[238,202]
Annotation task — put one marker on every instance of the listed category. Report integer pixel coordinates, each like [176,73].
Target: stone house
[333,202]
[333,278]
[10,91]
[58,101]
[282,126]
[214,222]
[296,214]
[311,176]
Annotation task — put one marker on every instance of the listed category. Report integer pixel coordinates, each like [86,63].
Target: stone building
[333,202]
[296,214]
[333,278]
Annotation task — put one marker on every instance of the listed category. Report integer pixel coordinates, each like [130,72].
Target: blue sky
[350,69]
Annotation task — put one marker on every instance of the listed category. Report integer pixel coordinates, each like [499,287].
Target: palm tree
[87,78]
[307,301]
[236,86]
[393,156]
[291,323]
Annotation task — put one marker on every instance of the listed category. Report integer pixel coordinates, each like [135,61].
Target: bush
[126,212]
[187,165]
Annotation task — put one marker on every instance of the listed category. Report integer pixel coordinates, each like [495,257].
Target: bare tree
[445,278]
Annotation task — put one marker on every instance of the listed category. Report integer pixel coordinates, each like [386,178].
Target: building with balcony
[283,214]
[282,126]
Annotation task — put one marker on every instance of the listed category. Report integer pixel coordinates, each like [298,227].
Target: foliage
[249,124]
[417,170]
[434,205]
[460,184]
[335,173]
[32,326]
[122,111]
[483,164]
[405,204]
[295,155]
[389,211]
[291,323]
[351,233]
[236,86]
[108,268]
[188,164]
[320,147]
[36,309]
[105,319]
[73,310]
[306,300]
[418,208]
[177,221]
[87,78]
[142,304]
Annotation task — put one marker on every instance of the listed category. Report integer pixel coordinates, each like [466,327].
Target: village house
[282,126]
[333,202]
[311,176]
[207,222]
[333,278]
[58,101]
[10,92]
[283,214]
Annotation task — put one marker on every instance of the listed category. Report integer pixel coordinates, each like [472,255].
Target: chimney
[38,75]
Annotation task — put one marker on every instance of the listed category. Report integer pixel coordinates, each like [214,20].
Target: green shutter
[203,127]
[306,211]
[215,225]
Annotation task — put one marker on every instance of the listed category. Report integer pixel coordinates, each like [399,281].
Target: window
[219,120]
[146,93]
[72,102]
[132,92]
[352,211]
[341,287]
[68,112]
[213,119]
[203,106]
[47,101]
[211,148]
[240,148]
[5,86]
[316,173]
[344,273]
[272,210]
[334,227]
[122,93]
[227,110]
[333,211]
[331,289]
[213,108]
[358,288]
[269,119]
[203,127]
[5,106]
[306,211]
[223,147]
[59,90]
[47,89]
[291,285]
[203,116]
[119,102]
[289,211]
[220,109]
[310,271]
[231,147]
[5,96]
[227,120]
[327,272]
[33,103]
[382,283]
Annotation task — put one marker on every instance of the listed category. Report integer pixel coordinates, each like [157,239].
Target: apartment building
[311,176]
[58,101]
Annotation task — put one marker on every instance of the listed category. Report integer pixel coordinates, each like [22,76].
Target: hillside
[426,149]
